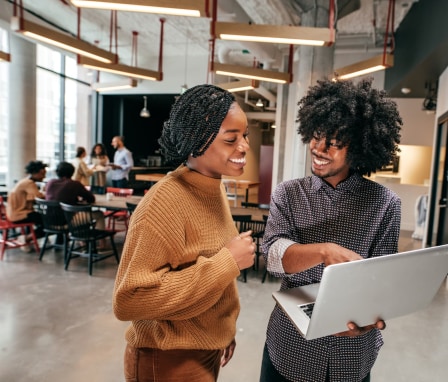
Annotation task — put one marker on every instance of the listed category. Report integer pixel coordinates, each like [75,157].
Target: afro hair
[357,116]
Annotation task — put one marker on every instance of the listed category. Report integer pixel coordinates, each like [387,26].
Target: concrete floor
[57,325]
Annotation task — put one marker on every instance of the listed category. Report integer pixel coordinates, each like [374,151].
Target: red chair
[12,241]
[117,217]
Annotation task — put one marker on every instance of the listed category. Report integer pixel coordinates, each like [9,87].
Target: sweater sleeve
[84,170]
[172,268]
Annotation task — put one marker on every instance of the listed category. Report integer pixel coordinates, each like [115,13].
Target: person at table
[82,171]
[20,206]
[66,190]
[123,162]
[176,281]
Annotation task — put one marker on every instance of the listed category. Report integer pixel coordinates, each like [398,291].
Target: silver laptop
[365,291]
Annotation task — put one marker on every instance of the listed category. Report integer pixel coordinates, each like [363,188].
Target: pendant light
[145,112]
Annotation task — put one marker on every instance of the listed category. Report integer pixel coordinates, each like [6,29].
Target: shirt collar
[351,184]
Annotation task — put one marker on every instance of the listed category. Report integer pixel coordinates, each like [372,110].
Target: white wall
[418,124]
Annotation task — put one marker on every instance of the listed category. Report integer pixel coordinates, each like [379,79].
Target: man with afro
[334,215]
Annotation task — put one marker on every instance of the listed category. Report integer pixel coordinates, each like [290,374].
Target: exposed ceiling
[360,27]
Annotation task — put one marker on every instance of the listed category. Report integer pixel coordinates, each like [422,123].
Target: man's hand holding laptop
[354,330]
[338,254]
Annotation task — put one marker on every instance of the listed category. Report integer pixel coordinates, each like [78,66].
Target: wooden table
[241,184]
[246,185]
[149,177]
[118,203]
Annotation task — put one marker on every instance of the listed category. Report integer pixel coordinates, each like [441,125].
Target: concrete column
[22,108]
[313,63]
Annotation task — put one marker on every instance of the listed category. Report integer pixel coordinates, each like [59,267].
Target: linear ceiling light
[5,56]
[238,86]
[279,34]
[371,65]
[123,70]
[114,85]
[60,40]
[253,73]
[374,64]
[194,8]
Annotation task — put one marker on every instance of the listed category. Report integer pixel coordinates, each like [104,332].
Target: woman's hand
[242,248]
[354,330]
[227,353]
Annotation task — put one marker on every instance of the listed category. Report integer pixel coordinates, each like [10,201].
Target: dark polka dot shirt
[358,214]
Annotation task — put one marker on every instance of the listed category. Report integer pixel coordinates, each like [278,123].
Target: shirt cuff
[275,255]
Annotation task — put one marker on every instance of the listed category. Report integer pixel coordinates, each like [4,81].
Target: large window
[56,107]
[60,127]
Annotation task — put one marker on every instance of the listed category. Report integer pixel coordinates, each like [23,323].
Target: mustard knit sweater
[176,282]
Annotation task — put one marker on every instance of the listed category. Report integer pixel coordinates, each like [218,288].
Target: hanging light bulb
[145,112]
[259,103]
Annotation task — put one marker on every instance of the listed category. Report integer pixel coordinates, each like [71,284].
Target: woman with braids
[177,277]
[334,215]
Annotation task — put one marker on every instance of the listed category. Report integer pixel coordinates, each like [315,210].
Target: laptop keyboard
[307,308]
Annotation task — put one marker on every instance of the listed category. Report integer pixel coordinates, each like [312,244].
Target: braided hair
[194,122]
[357,116]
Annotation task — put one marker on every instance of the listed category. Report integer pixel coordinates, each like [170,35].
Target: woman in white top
[99,160]
[98,156]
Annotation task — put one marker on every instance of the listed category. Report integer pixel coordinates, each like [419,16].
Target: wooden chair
[245,223]
[81,227]
[241,222]
[117,217]
[54,222]
[257,227]
[9,242]
[131,207]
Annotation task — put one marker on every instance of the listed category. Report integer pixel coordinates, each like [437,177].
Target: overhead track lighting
[5,56]
[61,40]
[371,65]
[259,103]
[123,70]
[374,64]
[238,86]
[194,8]
[252,73]
[114,85]
[277,34]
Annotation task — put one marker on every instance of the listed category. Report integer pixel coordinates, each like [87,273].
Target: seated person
[69,191]
[19,208]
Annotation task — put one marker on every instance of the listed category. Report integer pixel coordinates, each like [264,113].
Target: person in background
[98,155]
[334,215]
[176,281]
[123,163]
[20,206]
[66,190]
[82,171]
[99,160]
